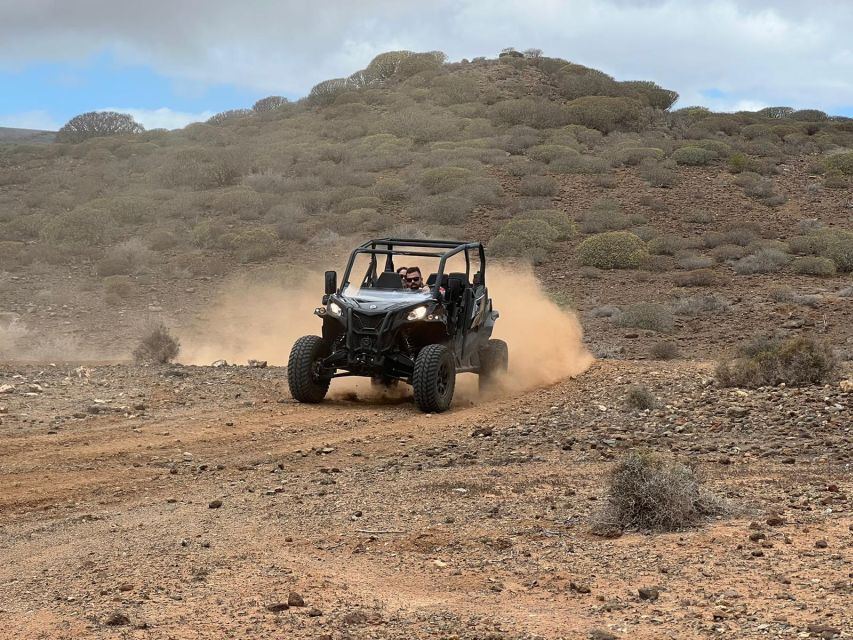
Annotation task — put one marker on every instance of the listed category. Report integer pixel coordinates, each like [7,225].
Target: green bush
[444,179]
[532,239]
[539,113]
[559,220]
[605,113]
[549,153]
[82,227]
[646,315]
[443,209]
[255,245]
[541,186]
[633,156]
[763,362]
[612,250]
[814,266]
[693,156]
[837,245]
[241,202]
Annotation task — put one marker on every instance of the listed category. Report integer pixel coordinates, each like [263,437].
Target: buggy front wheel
[434,378]
[303,370]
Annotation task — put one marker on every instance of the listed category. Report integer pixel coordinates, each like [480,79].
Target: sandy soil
[193,502]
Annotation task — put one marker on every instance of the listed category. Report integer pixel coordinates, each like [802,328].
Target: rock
[821,544]
[482,431]
[601,634]
[846,385]
[314,613]
[737,412]
[278,607]
[4,409]
[219,363]
[295,600]
[580,587]
[775,521]
[755,536]
[35,388]
[354,618]
[214,504]
[824,630]
[95,409]
[125,587]
[258,364]
[649,593]
[117,619]
[7,388]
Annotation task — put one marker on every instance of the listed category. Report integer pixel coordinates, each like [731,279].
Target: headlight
[418,313]
[335,309]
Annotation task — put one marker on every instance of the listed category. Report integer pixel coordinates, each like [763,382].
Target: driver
[415,281]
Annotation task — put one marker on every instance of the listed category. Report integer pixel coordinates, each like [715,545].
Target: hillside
[9,135]
[741,222]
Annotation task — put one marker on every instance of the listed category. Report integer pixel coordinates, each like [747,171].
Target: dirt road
[194,503]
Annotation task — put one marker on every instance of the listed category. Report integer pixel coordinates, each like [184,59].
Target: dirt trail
[393,524]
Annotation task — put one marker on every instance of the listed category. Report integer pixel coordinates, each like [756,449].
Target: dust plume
[262,320]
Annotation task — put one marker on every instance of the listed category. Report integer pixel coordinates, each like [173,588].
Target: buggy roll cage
[375,247]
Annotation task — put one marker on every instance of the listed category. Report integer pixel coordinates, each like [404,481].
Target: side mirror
[331,282]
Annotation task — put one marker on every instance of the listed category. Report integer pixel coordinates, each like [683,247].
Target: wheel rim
[443,382]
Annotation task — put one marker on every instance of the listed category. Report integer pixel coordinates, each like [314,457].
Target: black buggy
[374,327]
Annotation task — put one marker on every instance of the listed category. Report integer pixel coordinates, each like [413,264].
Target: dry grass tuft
[158,346]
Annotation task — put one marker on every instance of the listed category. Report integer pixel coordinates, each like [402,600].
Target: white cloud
[781,52]
[162,118]
[29,120]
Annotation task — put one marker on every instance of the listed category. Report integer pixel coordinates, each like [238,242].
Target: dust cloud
[262,321]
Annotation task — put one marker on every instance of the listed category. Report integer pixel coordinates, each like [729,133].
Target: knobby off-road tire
[434,378]
[305,385]
[494,361]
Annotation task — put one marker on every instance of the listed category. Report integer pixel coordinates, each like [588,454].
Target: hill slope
[740,218]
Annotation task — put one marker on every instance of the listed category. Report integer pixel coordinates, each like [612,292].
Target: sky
[172,62]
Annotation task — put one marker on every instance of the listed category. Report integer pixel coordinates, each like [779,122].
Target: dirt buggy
[373,326]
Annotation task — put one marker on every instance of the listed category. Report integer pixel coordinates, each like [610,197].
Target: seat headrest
[389,280]
[444,280]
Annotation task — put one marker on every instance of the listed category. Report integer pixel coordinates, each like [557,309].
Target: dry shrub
[769,361]
[158,346]
[391,190]
[604,113]
[657,174]
[241,202]
[538,113]
[82,227]
[762,261]
[612,250]
[605,215]
[695,278]
[726,252]
[650,492]
[632,156]
[646,315]
[690,261]
[531,239]
[814,266]
[639,396]
[358,202]
[443,209]
[664,350]
[666,244]
[703,304]
[841,162]
[538,186]
[128,258]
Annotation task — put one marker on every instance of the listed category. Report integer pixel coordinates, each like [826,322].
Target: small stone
[214,504]
[580,587]
[314,613]
[649,593]
[117,619]
[295,600]
[602,634]
[755,536]
[821,544]
[775,521]
[258,364]
[737,412]
[125,587]
[278,607]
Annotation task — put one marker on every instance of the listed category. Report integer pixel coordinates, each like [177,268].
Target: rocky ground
[202,502]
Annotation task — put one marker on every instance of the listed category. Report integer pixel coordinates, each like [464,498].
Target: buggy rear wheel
[303,370]
[494,362]
[434,378]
